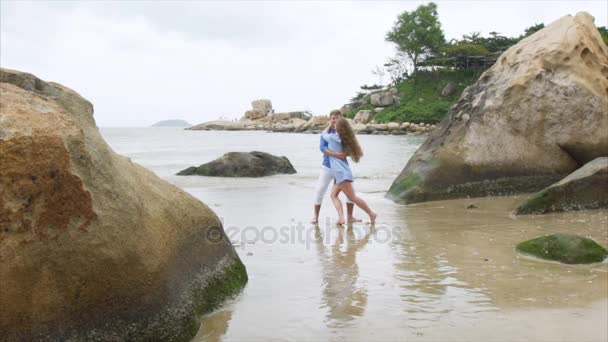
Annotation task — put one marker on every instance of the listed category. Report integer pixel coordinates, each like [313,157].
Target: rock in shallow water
[586,188]
[568,249]
[535,116]
[242,164]
[93,246]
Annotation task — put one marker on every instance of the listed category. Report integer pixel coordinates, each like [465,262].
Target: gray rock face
[382,99]
[290,115]
[242,164]
[449,89]
[363,116]
[345,108]
[319,121]
[253,114]
[585,188]
[537,115]
[92,245]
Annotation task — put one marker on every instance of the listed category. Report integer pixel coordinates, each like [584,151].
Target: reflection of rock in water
[430,288]
[342,296]
[458,261]
[214,326]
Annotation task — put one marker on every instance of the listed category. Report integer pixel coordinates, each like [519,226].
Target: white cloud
[143,62]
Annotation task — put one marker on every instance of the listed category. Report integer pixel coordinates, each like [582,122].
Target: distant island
[172,123]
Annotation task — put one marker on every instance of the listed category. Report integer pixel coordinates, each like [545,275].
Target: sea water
[433,271]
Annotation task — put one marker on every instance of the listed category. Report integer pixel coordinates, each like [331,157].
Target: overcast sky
[140,62]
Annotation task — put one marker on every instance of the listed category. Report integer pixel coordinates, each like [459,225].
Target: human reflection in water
[342,296]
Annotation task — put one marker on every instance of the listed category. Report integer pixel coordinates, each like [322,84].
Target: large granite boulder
[393,126]
[382,99]
[290,115]
[254,114]
[315,123]
[535,116]
[262,105]
[242,164]
[346,108]
[319,121]
[585,188]
[363,116]
[291,125]
[564,248]
[449,89]
[92,245]
[361,128]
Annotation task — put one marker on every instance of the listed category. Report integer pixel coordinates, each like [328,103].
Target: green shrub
[463,49]
[421,99]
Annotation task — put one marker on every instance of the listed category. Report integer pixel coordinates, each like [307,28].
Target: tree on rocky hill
[397,67]
[418,33]
[604,33]
[533,29]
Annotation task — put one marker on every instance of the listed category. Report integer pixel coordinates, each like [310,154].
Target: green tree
[397,67]
[418,33]
[472,38]
[497,42]
[533,29]
[370,87]
[604,33]
[465,49]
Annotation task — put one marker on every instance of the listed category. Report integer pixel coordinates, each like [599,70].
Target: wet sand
[432,271]
[429,272]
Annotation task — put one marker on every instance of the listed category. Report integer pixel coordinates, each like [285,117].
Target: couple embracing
[338,141]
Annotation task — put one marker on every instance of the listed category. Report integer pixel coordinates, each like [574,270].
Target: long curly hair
[349,140]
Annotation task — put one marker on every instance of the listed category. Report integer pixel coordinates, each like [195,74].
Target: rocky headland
[93,246]
[538,114]
[262,117]
[172,123]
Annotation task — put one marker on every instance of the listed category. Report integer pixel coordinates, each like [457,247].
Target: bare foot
[314,221]
[353,219]
[340,222]
[372,218]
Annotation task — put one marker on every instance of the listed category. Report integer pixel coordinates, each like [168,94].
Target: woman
[344,140]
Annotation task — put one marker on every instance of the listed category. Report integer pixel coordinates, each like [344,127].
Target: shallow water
[431,271]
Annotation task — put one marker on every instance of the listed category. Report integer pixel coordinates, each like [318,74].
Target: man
[326,176]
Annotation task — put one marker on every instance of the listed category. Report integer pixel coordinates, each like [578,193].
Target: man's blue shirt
[323,147]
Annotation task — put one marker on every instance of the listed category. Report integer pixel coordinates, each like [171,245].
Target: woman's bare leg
[335,191]
[349,211]
[347,188]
